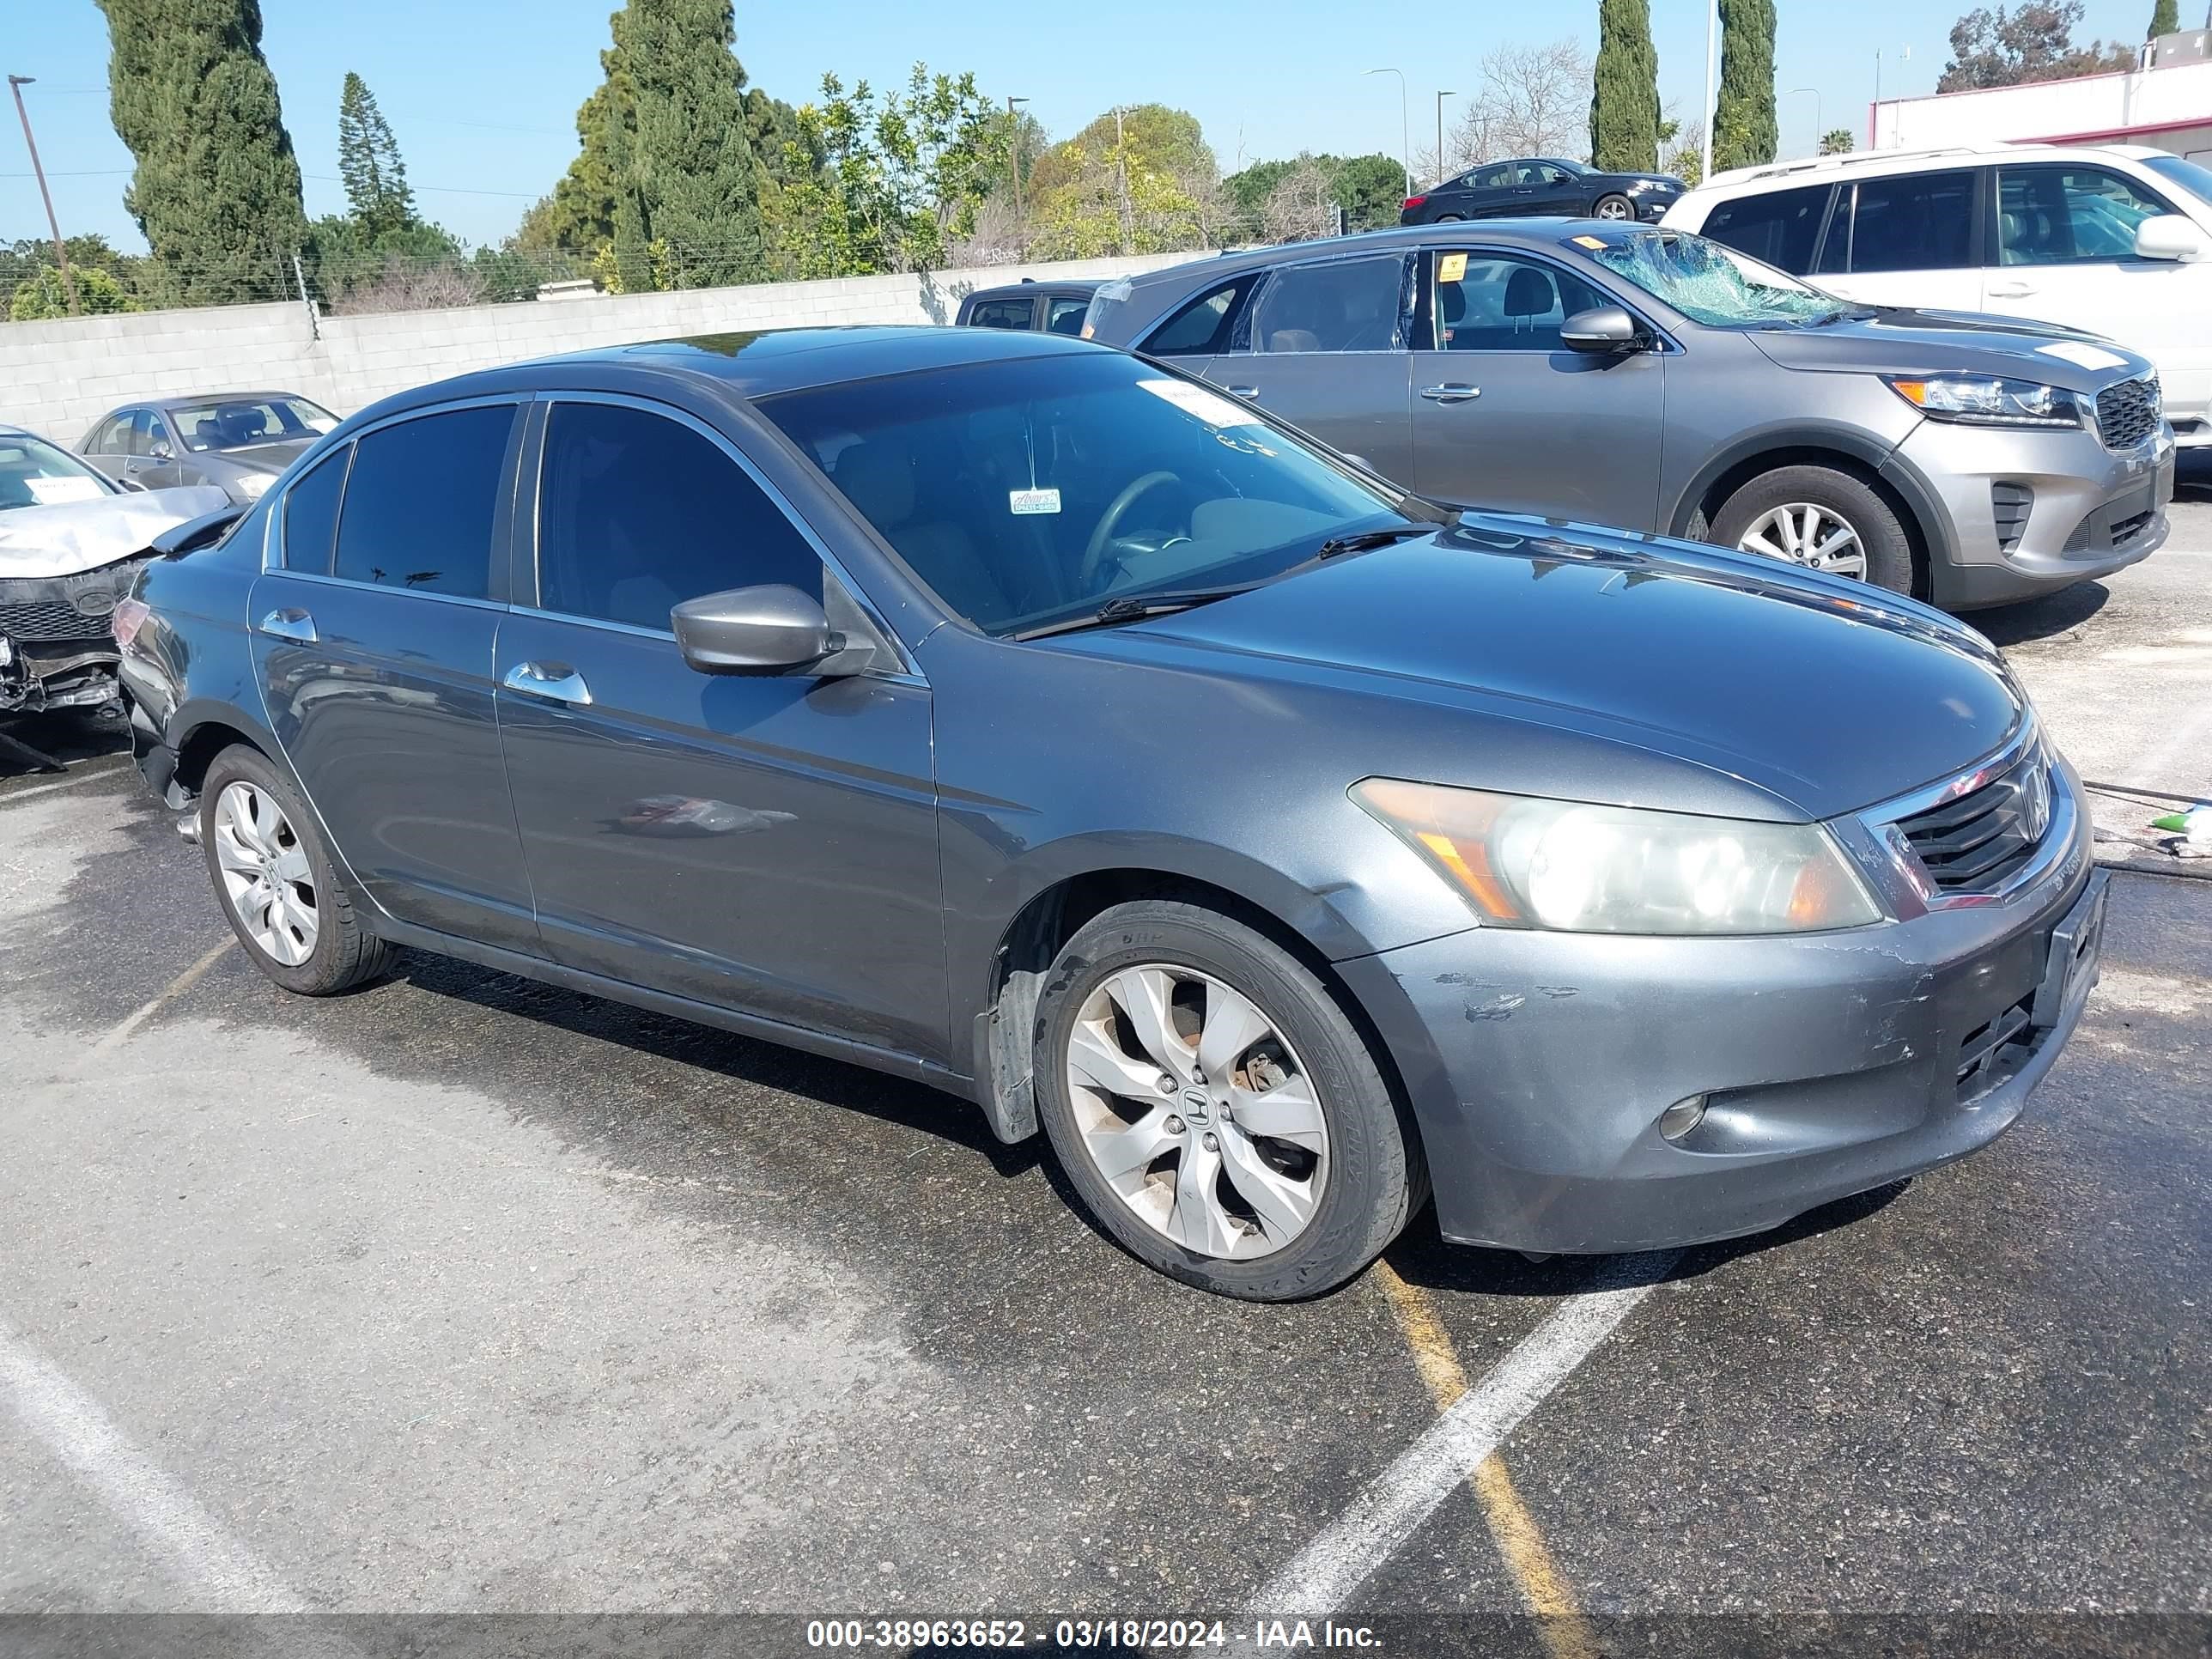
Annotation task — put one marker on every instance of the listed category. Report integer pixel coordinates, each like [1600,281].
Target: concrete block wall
[58,378]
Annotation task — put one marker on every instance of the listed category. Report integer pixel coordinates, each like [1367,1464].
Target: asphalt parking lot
[462,1294]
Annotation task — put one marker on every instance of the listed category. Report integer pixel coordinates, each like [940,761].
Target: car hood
[261,457]
[72,537]
[1899,341]
[1814,695]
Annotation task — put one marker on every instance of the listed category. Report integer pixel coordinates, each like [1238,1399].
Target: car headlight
[1637,184]
[254,485]
[1988,400]
[1521,861]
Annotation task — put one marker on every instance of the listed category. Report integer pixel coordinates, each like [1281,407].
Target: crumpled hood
[74,536]
[1896,340]
[1823,694]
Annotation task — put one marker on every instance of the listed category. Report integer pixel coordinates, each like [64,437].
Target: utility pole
[1014,152]
[1444,168]
[1705,154]
[16,84]
[1122,174]
[1405,142]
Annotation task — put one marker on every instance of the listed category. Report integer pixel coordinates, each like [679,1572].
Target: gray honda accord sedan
[1013,714]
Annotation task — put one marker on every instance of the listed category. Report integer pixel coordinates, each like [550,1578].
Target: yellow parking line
[1566,1633]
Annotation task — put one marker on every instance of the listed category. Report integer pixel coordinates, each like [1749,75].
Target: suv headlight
[1988,400]
[1521,861]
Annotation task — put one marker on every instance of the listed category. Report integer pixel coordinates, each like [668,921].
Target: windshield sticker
[1032,500]
[1451,267]
[1209,407]
[1587,241]
[2083,356]
[53,492]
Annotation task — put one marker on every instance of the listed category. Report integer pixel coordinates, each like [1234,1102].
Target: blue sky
[483,94]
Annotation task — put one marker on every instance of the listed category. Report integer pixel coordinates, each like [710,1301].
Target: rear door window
[1916,221]
[2048,215]
[1338,305]
[1003,313]
[311,514]
[1065,315]
[1781,227]
[421,502]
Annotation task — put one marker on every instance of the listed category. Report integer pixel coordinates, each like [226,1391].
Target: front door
[1326,353]
[767,843]
[1506,416]
[374,643]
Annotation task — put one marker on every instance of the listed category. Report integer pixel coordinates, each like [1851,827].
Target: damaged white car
[71,541]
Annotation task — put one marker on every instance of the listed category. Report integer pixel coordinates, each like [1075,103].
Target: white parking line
[68,782]
[222,1574]
[1388,1510]
[146,1011]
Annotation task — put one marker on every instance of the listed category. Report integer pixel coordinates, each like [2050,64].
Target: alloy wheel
[1802,532]
[1195,1109]
[1612,208]
[267,879]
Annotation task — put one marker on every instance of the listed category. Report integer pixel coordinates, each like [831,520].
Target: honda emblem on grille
[2035,803]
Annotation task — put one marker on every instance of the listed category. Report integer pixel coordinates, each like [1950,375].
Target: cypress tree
[689,200]
[1743,118]
[2165,19]
[369,161]
[216,188]
[1624,99]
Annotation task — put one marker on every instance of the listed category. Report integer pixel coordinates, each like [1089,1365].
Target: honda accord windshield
[1036,490]
[1715,285]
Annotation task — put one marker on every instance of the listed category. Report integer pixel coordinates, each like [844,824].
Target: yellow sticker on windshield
[1586,241]
[1451,267]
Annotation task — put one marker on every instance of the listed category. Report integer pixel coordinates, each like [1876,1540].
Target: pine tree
[216,188]
[689,197]
[1743,118]
[369,161]
[2165,19]
[1625,100]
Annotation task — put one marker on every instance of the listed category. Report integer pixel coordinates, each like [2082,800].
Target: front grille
[37,609]
[1995,1051]
[1975,841]
[48,619]
[2129,412]
[2126,530]
[2010,504]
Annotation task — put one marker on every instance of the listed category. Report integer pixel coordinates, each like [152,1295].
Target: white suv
[2117,240]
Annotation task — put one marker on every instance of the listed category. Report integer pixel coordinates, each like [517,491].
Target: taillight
[127,618]
[1412,202]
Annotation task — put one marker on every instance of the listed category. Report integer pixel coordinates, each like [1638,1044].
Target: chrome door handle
[1451,392]
[292,624]
[556,682]
[1249,393]
[2013,291]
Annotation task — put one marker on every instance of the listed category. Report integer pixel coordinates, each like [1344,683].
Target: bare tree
[1533,100]
[1297,208]
[403,284]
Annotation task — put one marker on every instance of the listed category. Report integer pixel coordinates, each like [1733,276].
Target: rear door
[1324,348]
[1506,416]
[108,448]
[2065,253]
[765,843]
[372,633]
[1910,239]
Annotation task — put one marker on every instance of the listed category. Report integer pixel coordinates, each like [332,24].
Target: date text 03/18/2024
[1078,1634]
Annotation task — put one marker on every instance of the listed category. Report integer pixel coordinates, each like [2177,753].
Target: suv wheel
[1615,207]
[1219,1115]
[1822,519]
[280,891]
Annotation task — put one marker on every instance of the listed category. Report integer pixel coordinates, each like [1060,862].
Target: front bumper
[1538,1064]
[2029,511]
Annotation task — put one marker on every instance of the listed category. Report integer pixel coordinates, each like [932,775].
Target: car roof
[1516,232]
[743,367]
[1029,286]
[169,400]
[1882,163]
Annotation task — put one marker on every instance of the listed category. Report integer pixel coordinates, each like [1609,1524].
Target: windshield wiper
[1367,538]
[1135,607]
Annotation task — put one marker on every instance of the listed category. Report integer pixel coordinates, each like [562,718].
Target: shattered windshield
[1715,285]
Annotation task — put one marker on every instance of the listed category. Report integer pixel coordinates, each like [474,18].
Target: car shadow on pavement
[1423,1256]
[27,742]
[2192,475]
[743,1060]
[2054,619]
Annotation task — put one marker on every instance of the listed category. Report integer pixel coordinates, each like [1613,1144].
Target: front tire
[1822,519]
[1613,207]
[276,883]
[1219,1113]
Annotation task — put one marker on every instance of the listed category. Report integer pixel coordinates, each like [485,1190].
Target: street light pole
[1014,163]
[1405,129]
[1444,168]
[1706,152]
[1818,135]
[16,84]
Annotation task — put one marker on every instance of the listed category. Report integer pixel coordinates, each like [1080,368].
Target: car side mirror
[2169,236]
[159,452]
[773,629]
[1601,328]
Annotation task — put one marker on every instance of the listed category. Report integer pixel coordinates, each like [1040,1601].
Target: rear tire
[1749,521]
[1336,1184]
[276,883]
